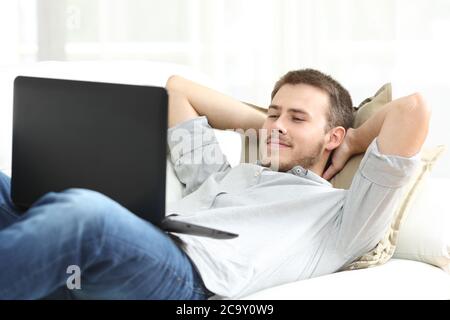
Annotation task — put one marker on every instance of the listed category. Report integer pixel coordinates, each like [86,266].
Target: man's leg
[120,256]
[9,213]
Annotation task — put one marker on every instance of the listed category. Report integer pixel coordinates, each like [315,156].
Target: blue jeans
[119,255]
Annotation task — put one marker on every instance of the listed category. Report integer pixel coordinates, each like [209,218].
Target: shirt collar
[299,171]
[302,172]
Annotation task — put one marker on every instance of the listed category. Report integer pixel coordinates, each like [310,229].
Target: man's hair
[341,105]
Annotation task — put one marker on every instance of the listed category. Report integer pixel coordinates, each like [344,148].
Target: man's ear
[334,138]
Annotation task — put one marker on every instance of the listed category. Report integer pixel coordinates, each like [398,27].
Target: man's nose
[279,126]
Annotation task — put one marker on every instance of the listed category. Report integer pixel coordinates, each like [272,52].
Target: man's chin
[276,164]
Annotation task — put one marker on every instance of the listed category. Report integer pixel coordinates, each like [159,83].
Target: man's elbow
[416,111]
[420,106]
[406,127]
[173,82]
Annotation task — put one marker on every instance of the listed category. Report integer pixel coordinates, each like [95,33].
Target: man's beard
[305,162]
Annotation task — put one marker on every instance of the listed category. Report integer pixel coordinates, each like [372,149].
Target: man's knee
[75,197]
[76,205]
[82,197]
[90,212]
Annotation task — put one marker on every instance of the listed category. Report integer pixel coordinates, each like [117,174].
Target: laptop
[111,138]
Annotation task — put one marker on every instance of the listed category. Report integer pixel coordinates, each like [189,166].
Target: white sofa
[398,279]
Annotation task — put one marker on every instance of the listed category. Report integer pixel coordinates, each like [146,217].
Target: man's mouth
[277,144]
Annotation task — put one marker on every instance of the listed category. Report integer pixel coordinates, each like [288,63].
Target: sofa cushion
[425,233]
[397,279]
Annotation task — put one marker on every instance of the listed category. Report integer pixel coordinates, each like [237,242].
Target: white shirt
[292,225]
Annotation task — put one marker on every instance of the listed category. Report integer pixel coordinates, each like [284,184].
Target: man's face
[299,114]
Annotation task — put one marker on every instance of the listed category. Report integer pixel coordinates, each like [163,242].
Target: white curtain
[246,45]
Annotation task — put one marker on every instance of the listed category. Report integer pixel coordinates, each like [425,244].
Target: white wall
[247,45]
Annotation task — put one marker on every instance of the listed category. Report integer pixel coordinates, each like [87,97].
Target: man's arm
[193,111]
[401,127]
[188,100]
[180,110]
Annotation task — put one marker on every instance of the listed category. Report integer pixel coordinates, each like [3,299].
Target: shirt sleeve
[372,200]
[195,152]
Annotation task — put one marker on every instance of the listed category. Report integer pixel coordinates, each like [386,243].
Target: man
[291,223]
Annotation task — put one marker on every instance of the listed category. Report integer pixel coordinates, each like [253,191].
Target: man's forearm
[402,125]
[180,110]
[362,136]
[222,111]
